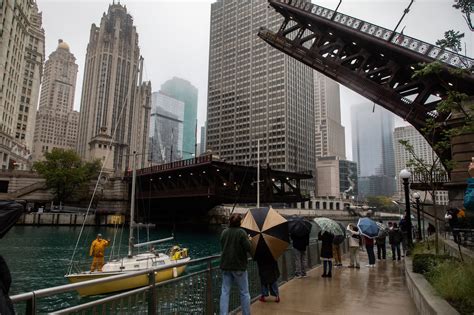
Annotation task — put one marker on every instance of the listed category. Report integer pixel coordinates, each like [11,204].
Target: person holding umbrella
[299,233]
[235,245]
[370,230]
[326,252]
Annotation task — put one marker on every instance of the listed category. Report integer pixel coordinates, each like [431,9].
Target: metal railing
[198,291]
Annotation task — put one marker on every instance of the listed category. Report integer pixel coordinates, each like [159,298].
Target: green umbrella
[328,225]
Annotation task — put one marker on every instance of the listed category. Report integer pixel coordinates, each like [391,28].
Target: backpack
[469,195]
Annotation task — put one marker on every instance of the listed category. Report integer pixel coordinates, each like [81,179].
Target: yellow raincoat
[97,251]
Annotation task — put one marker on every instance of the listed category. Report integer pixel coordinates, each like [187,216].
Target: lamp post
[405,175]
[417,199]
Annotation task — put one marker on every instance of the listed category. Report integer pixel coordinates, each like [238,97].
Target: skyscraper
[372,149]
[21,68]
[257,93]
[184,91]
[115,104]
[202,144]
[56,120]
[421,149]
[330,138]
[166,128]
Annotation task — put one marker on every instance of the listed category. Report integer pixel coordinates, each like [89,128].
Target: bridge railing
[401,40]
[198,291]
[172,165]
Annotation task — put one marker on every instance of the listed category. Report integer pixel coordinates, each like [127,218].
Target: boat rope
[113,242]
[97,184]
[120,242]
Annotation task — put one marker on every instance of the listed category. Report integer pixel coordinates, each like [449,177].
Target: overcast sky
[174,36]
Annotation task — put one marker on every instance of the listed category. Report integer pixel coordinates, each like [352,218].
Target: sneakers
[262,299]
[304,276]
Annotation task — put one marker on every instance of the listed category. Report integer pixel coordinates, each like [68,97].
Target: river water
[38,256]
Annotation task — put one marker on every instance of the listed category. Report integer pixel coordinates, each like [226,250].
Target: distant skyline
[174,36]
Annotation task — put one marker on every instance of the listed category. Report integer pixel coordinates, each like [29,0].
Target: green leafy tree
[381,203]
[65,173]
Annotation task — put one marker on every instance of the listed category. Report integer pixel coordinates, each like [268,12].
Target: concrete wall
[55,219]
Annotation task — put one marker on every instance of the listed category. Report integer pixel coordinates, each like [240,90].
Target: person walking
[235,246]
[97,251]
[395,238]
[403,224]
[452,217]
[269,273]
[300,243]
[326,253]
[369,247]
[354,245]
[380,242]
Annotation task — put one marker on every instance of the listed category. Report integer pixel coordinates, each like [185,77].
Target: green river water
[38,256]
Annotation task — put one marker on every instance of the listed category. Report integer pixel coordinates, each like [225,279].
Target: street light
[417,199]
[405,175]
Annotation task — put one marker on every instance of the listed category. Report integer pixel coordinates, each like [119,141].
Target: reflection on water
[38,256]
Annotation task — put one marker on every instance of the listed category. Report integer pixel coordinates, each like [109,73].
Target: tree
[466,7]
[65,173]
[381,203]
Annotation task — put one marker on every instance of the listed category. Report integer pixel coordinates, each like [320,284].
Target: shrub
[423,263]
[454,281]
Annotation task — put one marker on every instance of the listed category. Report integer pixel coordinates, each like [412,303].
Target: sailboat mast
[132,204]
[258,173]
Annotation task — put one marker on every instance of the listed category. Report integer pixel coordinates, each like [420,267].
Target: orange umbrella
[269,232]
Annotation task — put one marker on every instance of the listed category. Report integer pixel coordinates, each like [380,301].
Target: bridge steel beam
[373,61]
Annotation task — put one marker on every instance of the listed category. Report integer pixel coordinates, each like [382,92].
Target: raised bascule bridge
[375,62]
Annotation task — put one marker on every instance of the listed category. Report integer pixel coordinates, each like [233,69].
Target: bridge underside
[372,61]
[197,185]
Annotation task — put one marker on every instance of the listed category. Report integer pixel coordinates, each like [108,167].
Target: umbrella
[328,225]
[299,226]
[269,232]
[339,239]
[368,227]
[10,211]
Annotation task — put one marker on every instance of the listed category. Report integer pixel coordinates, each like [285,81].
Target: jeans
[371,254]
[273,289]
[241,279]
[396,249]
[381,251]
[300,262]
[354,255]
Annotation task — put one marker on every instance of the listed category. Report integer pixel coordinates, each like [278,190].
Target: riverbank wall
[59,218]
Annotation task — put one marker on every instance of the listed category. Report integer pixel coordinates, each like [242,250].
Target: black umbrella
[299,226]
[10,211]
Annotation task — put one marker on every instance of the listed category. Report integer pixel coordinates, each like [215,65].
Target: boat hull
[122,284]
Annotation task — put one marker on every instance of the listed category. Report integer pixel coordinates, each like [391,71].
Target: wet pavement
[379,290]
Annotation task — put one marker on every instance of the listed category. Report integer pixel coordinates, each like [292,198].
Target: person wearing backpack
[380,242]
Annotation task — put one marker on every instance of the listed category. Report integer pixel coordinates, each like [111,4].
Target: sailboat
[133,263]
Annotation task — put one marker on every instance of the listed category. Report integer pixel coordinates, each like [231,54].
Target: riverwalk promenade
[379,290]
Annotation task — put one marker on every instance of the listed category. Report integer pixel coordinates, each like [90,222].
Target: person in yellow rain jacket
[97,251]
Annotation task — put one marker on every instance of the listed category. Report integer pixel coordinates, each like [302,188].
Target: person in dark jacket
[380,242]
[395,238]
[299,246]
[326,253]
[235,245]
[6,305]
[452,217]
[269,273]
[369,246]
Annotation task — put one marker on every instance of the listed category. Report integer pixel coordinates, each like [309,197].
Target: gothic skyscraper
[56,120]
[115,104]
